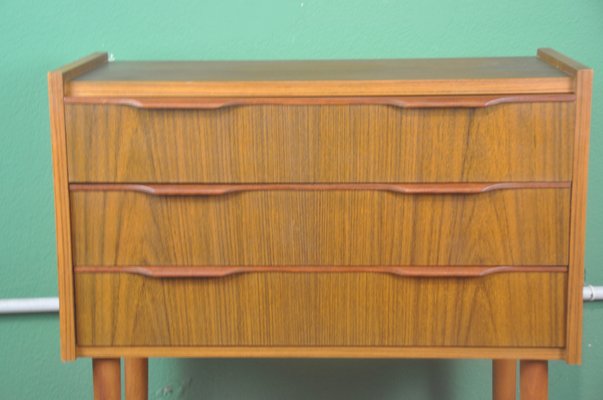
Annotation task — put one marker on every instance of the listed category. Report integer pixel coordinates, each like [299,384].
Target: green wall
[36,36]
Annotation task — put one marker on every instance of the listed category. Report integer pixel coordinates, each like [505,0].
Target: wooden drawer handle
[211,103]
[405,271]
[222,189]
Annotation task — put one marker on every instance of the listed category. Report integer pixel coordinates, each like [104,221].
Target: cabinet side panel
[56,93]
[578,215]
[63,229]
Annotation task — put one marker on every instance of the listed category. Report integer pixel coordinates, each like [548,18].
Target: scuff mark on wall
[170,391]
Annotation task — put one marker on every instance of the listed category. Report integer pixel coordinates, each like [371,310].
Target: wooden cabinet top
[391,77]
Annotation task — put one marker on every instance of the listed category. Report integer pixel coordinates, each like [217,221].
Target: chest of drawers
[383,208]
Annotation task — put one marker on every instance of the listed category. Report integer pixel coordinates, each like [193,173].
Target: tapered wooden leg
[137,378]
[504,379]
[107,378]
[534,380]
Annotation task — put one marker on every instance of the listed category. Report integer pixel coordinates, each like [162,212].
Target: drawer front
[320,143]
[321,227]
[321,309]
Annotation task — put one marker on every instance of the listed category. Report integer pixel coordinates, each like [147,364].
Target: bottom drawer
[513,309]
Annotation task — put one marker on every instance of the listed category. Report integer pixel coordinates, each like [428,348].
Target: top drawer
[288,143]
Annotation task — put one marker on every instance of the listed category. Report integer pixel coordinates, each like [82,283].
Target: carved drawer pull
[404,271]
[222,189]
[211,103]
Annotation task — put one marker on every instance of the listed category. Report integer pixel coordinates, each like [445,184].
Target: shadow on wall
[315,379]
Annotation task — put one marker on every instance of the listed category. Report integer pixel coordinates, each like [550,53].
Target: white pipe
[51,304]
[592,293]
[28,306]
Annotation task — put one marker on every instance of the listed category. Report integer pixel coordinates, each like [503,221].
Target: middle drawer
[127,225]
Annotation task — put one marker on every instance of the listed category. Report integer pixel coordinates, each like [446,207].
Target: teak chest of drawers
[383,208]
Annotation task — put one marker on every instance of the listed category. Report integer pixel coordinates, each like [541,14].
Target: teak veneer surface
[317,70]
[56,84]
[320,143]
[372,352]
[314,309]
[164,170]
[584,82]
[324,78]
[502,227]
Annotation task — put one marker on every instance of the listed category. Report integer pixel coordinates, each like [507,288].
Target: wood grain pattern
[296,144]
[324,78]
[188,170]
[504,379]
[532,353]
[562,62]
[506,310]
[534,381]
[213,103]
[56,81]
[107,378]
[321,70]
[578,215]
[329,228]
[583,77]
[223,189]
[137,378]
[82,66]
[408,271]
[321,88]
